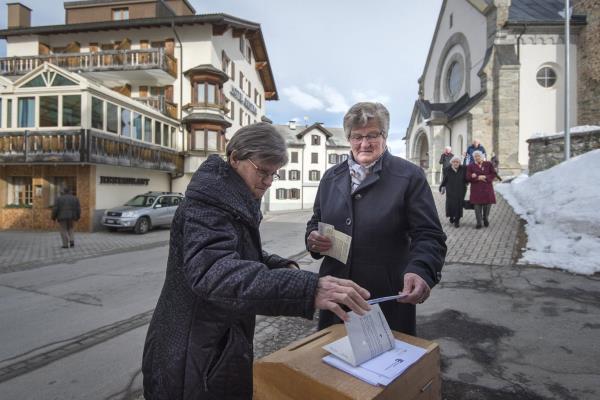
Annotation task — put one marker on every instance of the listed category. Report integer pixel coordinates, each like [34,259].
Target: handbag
[467,205]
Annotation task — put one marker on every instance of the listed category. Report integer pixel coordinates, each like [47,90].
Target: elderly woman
[481,175]
[199,343]
[385,204]
[454,185]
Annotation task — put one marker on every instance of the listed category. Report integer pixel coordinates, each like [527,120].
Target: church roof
[538,11]
[293,137]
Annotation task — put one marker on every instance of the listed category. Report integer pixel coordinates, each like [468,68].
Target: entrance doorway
[422,151]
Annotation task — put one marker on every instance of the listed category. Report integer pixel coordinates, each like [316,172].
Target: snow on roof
[563,219]
[575,129]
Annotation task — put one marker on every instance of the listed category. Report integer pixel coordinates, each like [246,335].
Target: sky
[325,55]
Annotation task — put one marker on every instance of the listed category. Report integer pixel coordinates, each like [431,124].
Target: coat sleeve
[428,241]
[313,223]
[55,210]
[491,173]
[77,209]
[444,181]
[468,174]
[275,261]
[215,271]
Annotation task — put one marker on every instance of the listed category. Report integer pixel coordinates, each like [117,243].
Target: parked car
[143,212]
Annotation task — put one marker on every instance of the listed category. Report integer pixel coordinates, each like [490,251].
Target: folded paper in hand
[340,242]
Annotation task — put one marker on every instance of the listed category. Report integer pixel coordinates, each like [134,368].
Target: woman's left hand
[415,289]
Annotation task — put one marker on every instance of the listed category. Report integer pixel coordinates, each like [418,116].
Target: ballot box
[297,372]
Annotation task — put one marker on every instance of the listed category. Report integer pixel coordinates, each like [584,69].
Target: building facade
[142,81]
[312,150]
[495,72]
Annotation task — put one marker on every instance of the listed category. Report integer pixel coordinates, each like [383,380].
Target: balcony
[161,104]
[111,67]
[83,146]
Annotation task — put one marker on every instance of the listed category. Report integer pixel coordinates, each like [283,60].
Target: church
[495,72]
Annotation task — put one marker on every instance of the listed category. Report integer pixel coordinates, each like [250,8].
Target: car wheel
[142,226]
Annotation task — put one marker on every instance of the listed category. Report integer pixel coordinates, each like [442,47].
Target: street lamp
[566,14]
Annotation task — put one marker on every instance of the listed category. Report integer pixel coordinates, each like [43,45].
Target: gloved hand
[442,189]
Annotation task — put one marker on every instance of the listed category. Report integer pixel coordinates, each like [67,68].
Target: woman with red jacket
[481,175]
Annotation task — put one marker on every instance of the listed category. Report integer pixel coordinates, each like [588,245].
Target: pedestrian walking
[218,278]
[473,147]
[496,163]
[445,159]
[66,211]
[454,186]
[481,175]
[385,204]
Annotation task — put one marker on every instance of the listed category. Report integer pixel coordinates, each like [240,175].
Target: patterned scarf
[359,173]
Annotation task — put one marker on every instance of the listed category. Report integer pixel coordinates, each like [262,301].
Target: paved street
[75,329]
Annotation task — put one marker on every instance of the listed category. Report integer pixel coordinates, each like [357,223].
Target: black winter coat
[455,184]
[395,229]
[199,342]
[66,208]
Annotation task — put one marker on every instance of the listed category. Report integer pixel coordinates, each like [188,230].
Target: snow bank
[562,209]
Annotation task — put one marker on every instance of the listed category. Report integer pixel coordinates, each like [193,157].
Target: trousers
[482,211]
[66,232]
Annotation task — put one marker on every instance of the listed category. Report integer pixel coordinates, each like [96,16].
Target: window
[225,62]
[232,73]
[294,194]
[241,117]
[112,118]
[20,191]
[60,80]
[198,140]
[206,93]
[249,92]
[38,81]
[71,112]
[314,158]
[97,113]
[26,112]
[232,110]
[546,77]
[455,79]
[119,14]
[165,135]
[48,111]
[281,194]
[333,159]
[147,130]
[344,157]
[125,122]
[212,142]
[58,184]
[316,140]
[137,125]
[294,175]
[248,118]
[314,175]
[241,80]
[451,20]
[294,156]
[173,138]
[242,45]
[157,132]
[281,174]
[9,113]
[249,54]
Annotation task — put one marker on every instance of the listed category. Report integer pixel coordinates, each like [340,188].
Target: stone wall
[546,152]
[589,64]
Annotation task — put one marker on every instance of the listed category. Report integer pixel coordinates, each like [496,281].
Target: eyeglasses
[262,173]
[371,137]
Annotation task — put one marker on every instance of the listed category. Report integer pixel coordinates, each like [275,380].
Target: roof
[209,68]
[252,29]
[79,3]
[539,11]
[293,137]
[207,117]
[450,110]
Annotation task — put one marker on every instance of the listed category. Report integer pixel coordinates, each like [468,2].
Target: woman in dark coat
[385,204]
[481,175]
[454,185]
[199,342]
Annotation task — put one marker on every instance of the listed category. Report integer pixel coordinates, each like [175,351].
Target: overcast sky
[325,54]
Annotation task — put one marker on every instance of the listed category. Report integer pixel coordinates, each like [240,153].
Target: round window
[455,79]
[546,77]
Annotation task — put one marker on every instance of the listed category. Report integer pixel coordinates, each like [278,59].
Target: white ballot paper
[370,351]
[340,242]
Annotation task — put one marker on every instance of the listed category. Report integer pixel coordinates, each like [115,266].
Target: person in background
[475,146]
[454,185]
[445,159]
[218,278]
[496,163]
[66,211]
[481,175]
[385,204]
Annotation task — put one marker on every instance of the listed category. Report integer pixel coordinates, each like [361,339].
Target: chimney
[292,125]
[19,15]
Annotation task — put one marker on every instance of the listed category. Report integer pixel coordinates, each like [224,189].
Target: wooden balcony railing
[106,60]
[81,146]
[161,104]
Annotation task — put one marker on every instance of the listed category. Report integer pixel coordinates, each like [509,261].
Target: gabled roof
[294,137]
[539,11]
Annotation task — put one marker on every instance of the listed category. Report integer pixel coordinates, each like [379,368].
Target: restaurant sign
[242,99]
[121,180]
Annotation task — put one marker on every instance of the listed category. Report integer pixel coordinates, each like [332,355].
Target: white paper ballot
[369,335]
[340,242]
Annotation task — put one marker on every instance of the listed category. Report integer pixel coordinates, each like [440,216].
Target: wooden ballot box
[297,372]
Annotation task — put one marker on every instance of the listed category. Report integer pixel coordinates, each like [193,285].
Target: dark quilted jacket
[66,208]
[199,342]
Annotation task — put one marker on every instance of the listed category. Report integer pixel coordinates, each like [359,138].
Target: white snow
[562,209]
[575,129]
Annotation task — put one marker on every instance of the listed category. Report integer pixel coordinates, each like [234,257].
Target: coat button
[358,196]
[348,221]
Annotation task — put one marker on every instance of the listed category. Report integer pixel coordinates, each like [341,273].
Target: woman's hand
[473,176]
[482,178]
[415,288]
[332,292]
[318,243]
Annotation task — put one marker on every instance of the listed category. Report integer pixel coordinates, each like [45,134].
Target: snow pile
[562,209]
[575,129]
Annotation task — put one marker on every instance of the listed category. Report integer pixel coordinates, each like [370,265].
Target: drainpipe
[180,78]
[519,43]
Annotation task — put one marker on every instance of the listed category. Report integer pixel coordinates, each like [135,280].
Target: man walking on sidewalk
[66,210]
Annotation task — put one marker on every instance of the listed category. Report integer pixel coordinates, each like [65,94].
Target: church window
[455,79]
[546,77]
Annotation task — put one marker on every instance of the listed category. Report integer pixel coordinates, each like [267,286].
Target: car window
[175,200]
[150,200]
[141,201]
[164,201]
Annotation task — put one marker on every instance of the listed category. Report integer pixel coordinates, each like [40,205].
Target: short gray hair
[361,113]
[458,158]
[477,152]
[260,142]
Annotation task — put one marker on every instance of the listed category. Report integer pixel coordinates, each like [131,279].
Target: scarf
[359,173]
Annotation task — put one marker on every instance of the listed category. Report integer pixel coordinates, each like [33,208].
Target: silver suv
[143,212]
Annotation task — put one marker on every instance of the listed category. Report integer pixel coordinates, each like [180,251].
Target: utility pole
[567,80]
